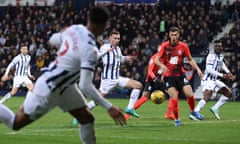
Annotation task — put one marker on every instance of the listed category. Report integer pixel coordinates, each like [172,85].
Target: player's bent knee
[139,85]
[88,118]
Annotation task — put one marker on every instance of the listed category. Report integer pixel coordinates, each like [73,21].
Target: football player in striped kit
[21,63]
[111,73]
[56,87]
[211,83]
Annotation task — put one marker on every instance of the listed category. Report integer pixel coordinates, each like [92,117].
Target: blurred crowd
[142,27]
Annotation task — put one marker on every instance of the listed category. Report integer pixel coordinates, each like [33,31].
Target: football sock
[174,103]
[6,97]
[133,98]
[140,101]
[169,107]
[87,133]
[200,105]
[222,100]
[191,102]
[6,116]
[91,104]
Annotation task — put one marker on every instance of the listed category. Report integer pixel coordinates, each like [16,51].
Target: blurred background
[143,25]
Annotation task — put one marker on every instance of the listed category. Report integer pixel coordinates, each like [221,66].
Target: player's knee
[139,85]
[87,118]
[228,93]
[207,95]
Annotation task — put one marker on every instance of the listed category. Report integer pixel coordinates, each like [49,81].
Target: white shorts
[21,81]
[212,85]
[108,85]
[42,99]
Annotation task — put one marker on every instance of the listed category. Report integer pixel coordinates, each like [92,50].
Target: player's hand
[4,78]
[164,68]
[117,115]
[129,58]
[228,76]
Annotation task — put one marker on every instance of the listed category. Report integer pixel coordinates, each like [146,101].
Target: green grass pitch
[151,128]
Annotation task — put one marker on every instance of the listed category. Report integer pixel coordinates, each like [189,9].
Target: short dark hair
[173,29]
[98,15]
[114,32]
[217,41]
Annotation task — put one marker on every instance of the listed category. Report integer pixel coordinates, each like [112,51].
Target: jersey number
[63,52]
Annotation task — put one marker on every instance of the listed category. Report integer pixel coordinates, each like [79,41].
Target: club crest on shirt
[179,52]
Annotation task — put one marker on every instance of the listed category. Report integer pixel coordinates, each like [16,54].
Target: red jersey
[172,57]
[153,70]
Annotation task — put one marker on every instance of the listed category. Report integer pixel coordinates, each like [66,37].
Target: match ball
[157,97]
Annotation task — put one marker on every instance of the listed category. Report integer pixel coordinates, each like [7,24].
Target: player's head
[24,50]
[174,34]
[98,18]
[217,46]
[114,38]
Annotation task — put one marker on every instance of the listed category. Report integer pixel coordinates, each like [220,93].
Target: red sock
[169,107]
[141,101]
[174,103]
[191,102]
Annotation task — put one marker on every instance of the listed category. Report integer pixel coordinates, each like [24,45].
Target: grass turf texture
[151,128]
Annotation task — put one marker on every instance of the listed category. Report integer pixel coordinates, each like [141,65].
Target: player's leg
[86,122]
[75,104]
[226,93]
[29,84]
[136,87]
[187,90]
[17,81]
[171,85]
[207,90]
[13,121]
[140,102]
[32,109]
[207,94]
[105,87]
[8,95]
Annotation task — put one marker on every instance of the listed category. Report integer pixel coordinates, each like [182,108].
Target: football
[157,97]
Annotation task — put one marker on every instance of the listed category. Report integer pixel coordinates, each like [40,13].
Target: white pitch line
[47,131]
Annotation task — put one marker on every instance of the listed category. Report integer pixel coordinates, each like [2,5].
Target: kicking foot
[131,112]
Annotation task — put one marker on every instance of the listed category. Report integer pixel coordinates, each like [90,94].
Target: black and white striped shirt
[21,64]
[214,66]
[111,62]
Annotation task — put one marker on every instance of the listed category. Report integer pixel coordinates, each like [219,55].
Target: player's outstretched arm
[88,89]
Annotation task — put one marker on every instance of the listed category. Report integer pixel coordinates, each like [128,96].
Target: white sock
[222,100]
[6,97]
[200,105]
[6,116]
[91,104]
[87,133]
[133,98]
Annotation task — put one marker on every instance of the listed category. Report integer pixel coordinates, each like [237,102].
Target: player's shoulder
[165,43]
[105,46]
[211,56]
[181,43]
